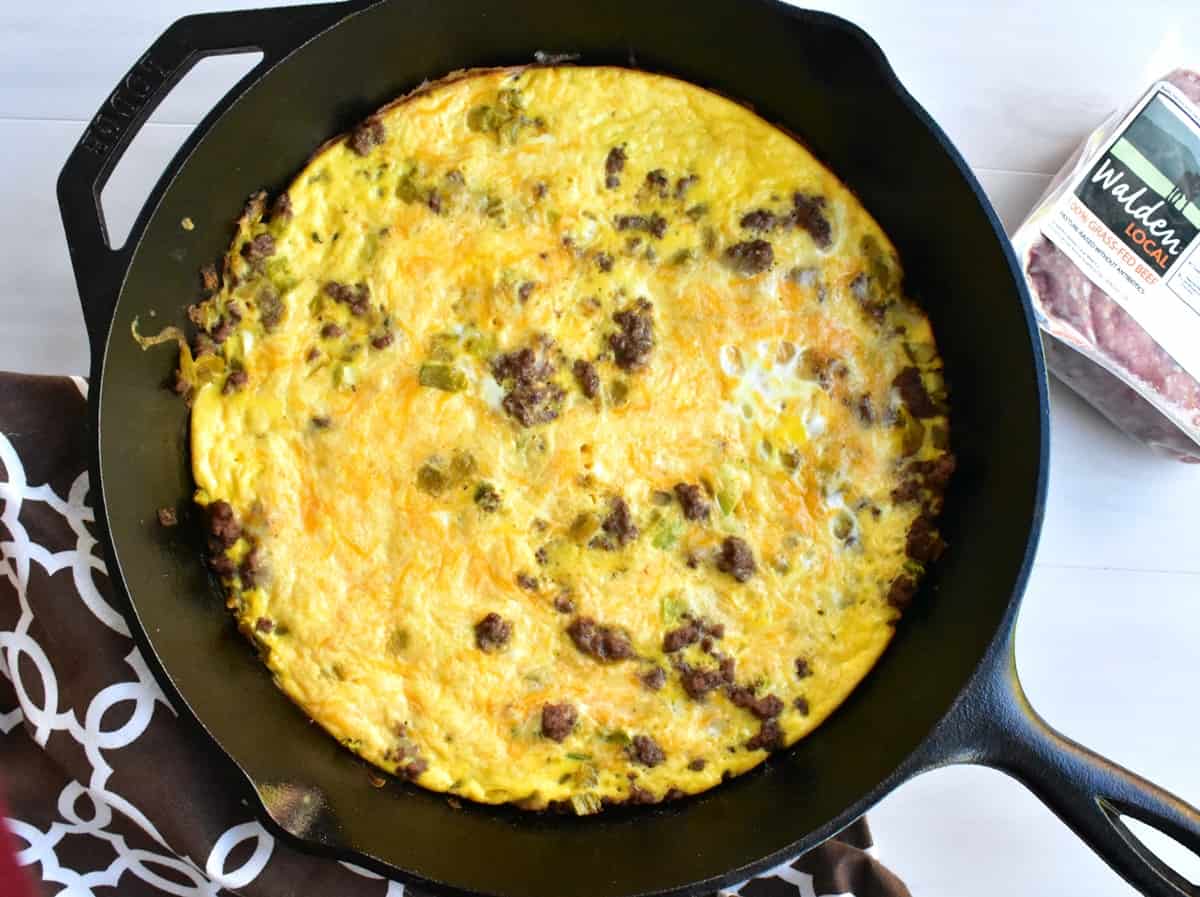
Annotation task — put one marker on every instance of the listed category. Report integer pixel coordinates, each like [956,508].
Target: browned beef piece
[587,378]
[736,559]
[604,643]
[768,738]
[614,164]
[633,343]
[368,135]
[749,258]
[492,633]
[759,220]
[692,500]
[558,720]
[808,213]
[646,751]
[677,639]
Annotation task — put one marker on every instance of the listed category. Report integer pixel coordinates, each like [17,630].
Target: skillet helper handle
[99,267]
[1091,794]
[994,725]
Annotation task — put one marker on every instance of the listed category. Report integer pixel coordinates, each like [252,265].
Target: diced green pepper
[667,533]
[585,804]
[480,118]
[673,608]
[407,189]
[462,465]
[616,736]
[432,476]
[478,344]
[442,376]
[584,527]
[729,489]
[397,640]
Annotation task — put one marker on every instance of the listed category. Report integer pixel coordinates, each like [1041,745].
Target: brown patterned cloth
[107,794]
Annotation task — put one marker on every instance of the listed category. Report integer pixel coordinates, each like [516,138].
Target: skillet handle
[994,725]
[100,268]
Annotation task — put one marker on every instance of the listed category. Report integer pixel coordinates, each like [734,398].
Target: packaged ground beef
[1112,256]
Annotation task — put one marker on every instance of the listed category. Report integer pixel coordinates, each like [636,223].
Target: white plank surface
[1106,640]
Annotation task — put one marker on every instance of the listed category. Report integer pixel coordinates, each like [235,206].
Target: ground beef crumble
[357,297]
[368,135]
[680,638]
[691,499]
[532,398]
[632,344]
[259,248]
[646,751]
[654,679]
[223,526]
[766,707]
[697,682]
[924,544]
[587,378]
[614,164]
[900,593]
[749,258]
[759,220]
[808,214]
[617,528]
[914,394]
[736,559]
[601,642]
[768,738]
[558,720]
[492,633]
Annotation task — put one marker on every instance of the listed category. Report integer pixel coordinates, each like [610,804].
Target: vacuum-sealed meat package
[1112,256]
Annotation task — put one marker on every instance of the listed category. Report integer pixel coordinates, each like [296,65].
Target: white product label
[1131,221]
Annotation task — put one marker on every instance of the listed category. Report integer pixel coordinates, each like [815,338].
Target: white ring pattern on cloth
[82,718]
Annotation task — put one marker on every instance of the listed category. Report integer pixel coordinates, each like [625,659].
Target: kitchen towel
[108,792]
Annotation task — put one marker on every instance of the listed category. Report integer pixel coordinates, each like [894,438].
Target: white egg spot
[493,392]
[730,359]
[807,277]
[814,423]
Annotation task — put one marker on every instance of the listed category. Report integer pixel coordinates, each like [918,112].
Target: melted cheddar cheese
[447,390]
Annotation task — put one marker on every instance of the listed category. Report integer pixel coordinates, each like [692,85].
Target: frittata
[565,437]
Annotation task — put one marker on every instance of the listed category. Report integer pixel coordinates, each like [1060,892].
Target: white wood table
[1110,631]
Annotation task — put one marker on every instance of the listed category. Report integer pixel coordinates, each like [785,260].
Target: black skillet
[945,692]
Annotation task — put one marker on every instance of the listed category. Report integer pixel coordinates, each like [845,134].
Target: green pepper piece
[667,533]
[432,477]
[442,376]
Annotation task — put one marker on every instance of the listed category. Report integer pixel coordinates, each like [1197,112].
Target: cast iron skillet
[945,692]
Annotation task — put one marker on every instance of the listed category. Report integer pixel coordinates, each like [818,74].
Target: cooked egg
[566,437]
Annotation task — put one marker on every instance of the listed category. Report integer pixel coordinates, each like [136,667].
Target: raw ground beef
[1100,351]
